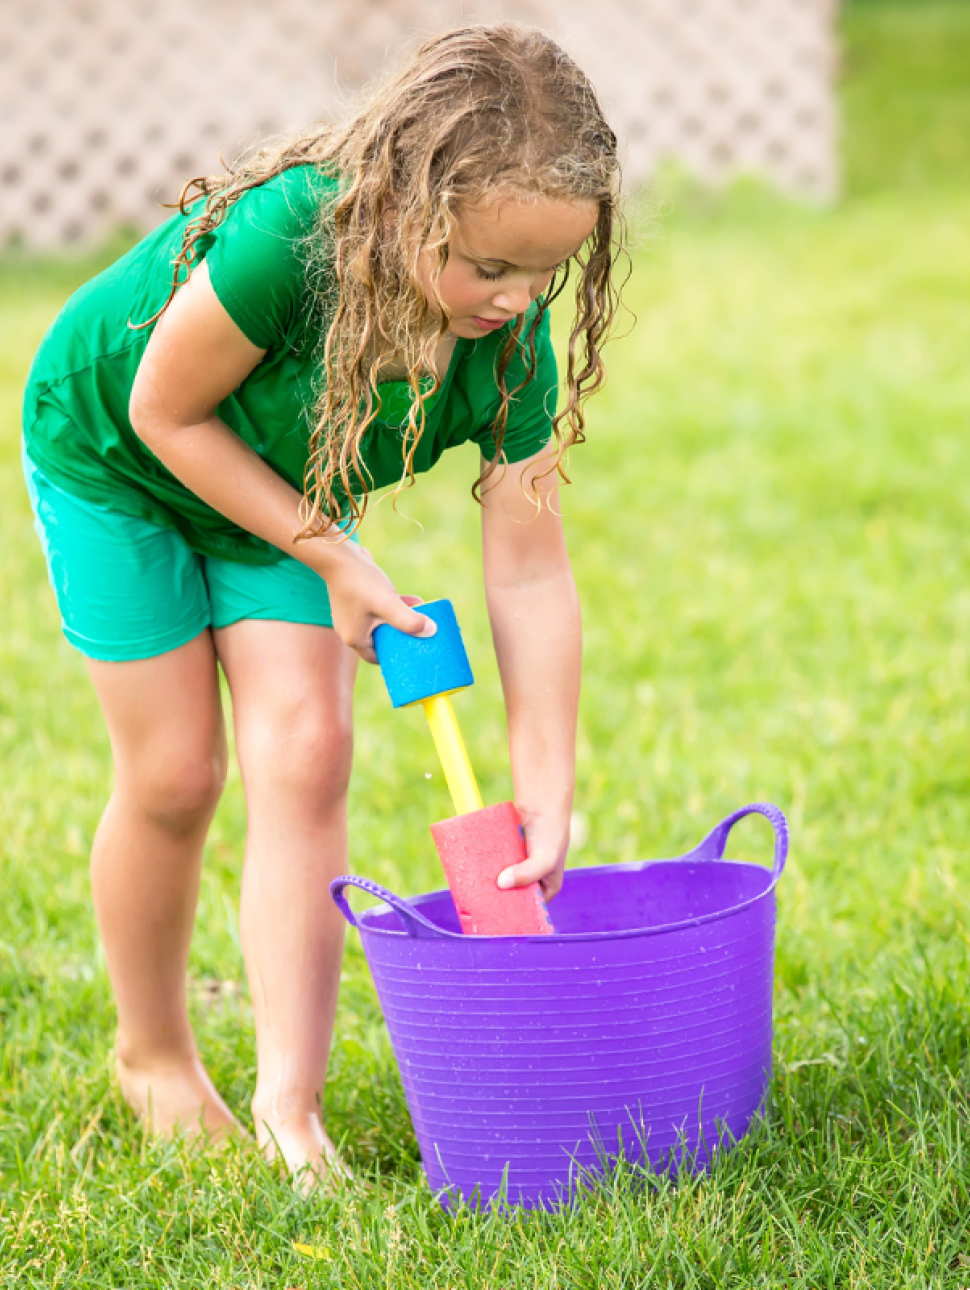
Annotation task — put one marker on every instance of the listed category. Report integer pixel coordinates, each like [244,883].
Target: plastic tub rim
[711,849]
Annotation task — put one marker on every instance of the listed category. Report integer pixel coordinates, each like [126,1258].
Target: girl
[204,424]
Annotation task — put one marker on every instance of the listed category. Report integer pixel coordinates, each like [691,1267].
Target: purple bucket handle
[415,924]
[712,848]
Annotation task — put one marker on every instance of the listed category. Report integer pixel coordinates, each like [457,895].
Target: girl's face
[503,254]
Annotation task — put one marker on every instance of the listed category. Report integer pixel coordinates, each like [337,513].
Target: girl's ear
[360,269]
[391,203]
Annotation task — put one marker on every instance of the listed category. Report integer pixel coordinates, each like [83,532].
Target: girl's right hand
[362,597]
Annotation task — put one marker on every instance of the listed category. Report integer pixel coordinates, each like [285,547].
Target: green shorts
[129,589]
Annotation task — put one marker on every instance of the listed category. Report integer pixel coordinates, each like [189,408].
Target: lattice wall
[106,106]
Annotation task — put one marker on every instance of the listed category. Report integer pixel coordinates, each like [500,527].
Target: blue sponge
[414,668]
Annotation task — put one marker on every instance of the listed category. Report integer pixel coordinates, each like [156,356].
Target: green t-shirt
[76,423]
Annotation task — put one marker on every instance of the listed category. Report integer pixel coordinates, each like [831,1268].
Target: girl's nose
[513,300]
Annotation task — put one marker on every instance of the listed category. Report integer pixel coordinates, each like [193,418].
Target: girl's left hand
[546,842]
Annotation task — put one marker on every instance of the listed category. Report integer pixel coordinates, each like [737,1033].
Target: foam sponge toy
[474,849]
[478,842]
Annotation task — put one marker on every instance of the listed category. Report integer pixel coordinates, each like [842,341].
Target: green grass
[771,533]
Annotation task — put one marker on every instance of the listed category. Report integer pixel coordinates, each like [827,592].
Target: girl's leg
[167,736]
[292,692]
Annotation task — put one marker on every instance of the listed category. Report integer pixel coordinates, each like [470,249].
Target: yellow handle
[451,749]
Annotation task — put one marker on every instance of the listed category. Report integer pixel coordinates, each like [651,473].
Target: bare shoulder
[196,357]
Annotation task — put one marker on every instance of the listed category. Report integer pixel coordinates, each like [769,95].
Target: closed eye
[493,275]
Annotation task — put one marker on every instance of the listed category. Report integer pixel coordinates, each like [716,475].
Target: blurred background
[107,106]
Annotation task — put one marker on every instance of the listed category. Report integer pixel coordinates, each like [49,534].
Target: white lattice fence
[107,106]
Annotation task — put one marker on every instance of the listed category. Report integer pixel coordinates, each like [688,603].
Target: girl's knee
[307,755]
[177,790]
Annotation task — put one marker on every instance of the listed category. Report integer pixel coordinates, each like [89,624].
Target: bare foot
[304,1146]
[175,1094]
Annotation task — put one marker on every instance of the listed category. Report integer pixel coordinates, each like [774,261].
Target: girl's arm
[196,357]
[534,612]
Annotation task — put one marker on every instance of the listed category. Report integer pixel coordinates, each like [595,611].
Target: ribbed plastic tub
[642,1026]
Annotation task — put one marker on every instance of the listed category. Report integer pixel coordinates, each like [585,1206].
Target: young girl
[204,423]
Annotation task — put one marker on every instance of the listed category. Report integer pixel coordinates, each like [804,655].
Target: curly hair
[479,109]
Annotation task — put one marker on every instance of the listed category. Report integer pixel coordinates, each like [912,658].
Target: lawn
[771,533]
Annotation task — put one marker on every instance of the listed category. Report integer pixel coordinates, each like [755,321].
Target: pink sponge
[474,849]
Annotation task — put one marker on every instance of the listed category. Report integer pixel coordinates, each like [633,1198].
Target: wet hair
[478,111]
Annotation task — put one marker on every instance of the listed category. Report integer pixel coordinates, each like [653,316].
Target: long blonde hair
[477,109]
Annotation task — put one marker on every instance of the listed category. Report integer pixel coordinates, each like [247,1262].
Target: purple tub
[643,1025]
